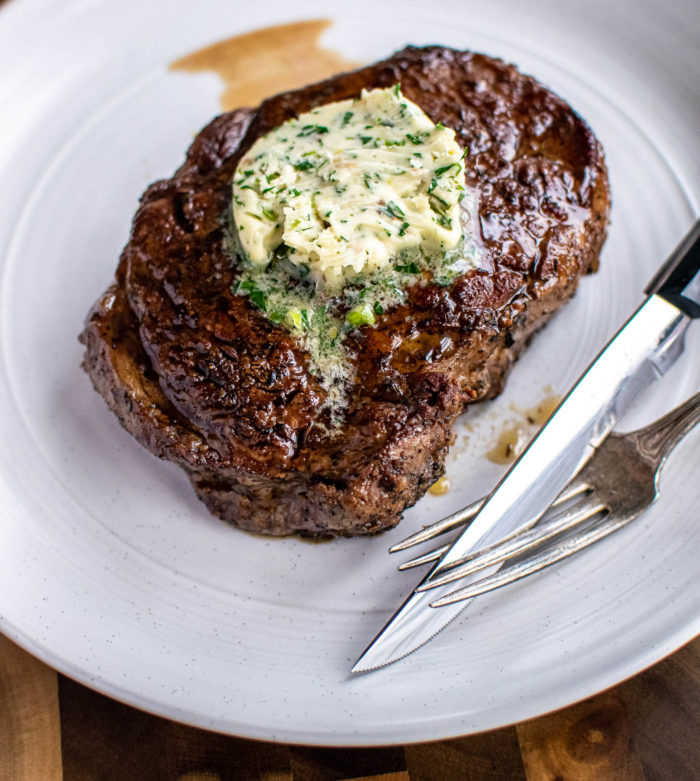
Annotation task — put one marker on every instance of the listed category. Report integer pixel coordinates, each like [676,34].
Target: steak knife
[641,351]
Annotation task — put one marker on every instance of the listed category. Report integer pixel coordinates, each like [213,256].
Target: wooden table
[52,728]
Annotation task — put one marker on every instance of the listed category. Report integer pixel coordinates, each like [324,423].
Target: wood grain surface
[52,728]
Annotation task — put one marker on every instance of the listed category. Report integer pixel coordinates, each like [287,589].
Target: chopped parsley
[446,168]
[309,130]
[393,210]
[408,268]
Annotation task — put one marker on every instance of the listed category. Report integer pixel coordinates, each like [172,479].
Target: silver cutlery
[614,488]
[644,348]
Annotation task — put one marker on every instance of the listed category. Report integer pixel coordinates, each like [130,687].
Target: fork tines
[616,485]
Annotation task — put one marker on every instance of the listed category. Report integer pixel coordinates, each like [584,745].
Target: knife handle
[678,280]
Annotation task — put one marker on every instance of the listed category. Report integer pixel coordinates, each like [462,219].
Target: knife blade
[642,350]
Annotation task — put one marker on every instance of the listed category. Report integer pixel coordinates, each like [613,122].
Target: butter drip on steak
[201,378]
[337,212]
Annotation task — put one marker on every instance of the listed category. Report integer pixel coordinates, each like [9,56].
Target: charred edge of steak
[163,347]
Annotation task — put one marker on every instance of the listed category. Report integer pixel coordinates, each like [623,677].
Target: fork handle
[678,280]
[659,438]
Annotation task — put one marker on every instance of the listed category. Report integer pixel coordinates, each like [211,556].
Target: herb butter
[348,187]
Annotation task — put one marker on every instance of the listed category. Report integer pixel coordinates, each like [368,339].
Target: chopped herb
[304,165]
[389,142]
[293,318]
[436,198]
[305,318]
[446,168]
[365,139]
[397,88]
[270,214]
[308,130]
[393,210]
[414,138]
[258,298]
[408,268]
[403,228]
[378,308]
[347,116]
[360,315]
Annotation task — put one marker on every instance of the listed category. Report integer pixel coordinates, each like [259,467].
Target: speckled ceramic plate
[111,570]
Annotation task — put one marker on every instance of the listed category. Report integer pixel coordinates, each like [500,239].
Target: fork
[618,483]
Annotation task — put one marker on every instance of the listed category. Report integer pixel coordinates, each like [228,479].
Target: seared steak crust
[202,378]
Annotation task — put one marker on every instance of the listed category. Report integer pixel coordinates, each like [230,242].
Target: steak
[202,378]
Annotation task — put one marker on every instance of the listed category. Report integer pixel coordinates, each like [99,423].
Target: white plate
[111,570]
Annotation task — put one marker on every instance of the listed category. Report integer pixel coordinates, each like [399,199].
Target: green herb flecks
[408,268]
[309,130]
[394,210]
[445,168]
[304,165]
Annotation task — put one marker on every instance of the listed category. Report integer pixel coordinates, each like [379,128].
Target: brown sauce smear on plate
[256,65]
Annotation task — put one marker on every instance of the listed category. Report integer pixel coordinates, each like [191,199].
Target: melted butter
[511,443]
[513,440]
[265,62]
[440,487]
[540,414]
